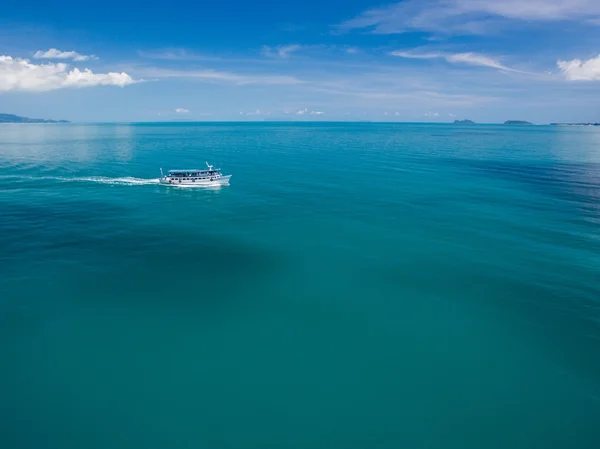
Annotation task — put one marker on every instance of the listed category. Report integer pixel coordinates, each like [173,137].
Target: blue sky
[414,60]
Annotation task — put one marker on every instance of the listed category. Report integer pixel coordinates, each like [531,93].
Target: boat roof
[188,170]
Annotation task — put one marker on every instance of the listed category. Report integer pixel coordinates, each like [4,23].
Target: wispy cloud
[219,76]
[53,53]
[282,51]
[255,112]
[390,96]
[469,16]
[176,54]
[167,54]
[182,111]
[475,59]
[17,74]
[432,114]
[578,70]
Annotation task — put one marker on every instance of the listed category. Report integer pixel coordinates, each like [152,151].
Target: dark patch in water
[578,183]
[549,315]
[129,261]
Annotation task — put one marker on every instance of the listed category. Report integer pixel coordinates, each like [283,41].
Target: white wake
[126,181]
[123,181]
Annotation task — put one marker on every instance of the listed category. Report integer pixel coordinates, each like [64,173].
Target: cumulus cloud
[578,70]
[182,111]
[53,53]
[469,16]
[305,111]
[469,58]
[17,74]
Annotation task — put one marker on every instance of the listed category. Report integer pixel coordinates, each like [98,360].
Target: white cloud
[376,91]
[168,54]
[255,112]
[412,55]
[217,76]
[475,59]
[305,111]
[53,53]
[432,114]
[451,115]
[352,50]
[578,70]
[282,51]
[18,74]
[182,111]
[469,16]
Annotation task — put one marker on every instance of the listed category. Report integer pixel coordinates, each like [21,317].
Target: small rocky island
[11,118]
[464,122]
[517,122]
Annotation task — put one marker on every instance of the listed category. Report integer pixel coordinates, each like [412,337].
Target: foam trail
[124,181]
[128,180]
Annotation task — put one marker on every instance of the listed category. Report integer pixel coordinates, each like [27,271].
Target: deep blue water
[356,286]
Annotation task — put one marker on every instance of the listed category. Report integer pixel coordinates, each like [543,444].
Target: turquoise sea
[356,286]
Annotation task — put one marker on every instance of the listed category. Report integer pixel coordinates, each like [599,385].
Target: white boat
[195,178]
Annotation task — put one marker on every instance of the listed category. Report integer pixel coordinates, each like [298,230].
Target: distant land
[575,124]
[11,118]
[464,122]
[517,122]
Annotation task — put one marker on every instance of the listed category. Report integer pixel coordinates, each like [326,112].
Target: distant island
[575,124]
[464,122]
[517,122]
[11,118]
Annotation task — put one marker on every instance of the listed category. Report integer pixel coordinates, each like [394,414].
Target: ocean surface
[356,286]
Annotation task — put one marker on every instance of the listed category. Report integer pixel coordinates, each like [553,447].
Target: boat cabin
[193,173]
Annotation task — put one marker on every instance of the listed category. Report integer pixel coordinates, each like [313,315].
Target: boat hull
[220,181]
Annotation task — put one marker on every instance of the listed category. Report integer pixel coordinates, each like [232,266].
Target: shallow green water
[357,285]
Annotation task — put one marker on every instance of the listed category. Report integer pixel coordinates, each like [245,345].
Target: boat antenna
[161,173]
